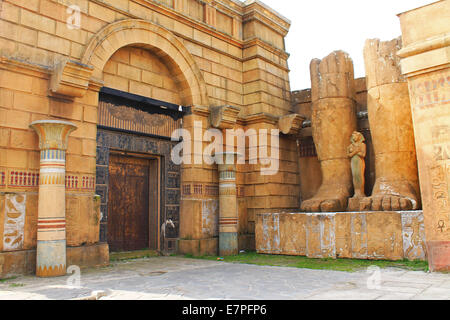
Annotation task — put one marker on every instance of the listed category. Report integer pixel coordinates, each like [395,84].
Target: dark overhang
[142,103]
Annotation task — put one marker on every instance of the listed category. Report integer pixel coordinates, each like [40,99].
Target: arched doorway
[143,66]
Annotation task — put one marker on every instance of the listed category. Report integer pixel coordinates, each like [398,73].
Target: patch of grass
[8,279]
[132,255]
[349,265]
[16,285]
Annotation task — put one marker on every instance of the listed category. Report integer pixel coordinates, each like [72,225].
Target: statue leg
[333,122]
[396,184]
[358,167]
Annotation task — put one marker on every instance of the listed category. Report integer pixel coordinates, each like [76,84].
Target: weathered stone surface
[199,247]
[425,63]
[414,241]
[320,235]
[396,185]
[369,235]
[384,235]
[333,121]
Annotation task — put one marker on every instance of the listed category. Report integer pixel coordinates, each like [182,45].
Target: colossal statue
[333,122]
[396,184]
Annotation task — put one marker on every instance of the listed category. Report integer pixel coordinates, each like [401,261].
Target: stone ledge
[383,235]
[24,262]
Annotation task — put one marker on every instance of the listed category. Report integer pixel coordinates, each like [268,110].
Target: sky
[319,27]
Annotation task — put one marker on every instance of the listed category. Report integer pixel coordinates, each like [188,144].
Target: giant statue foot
[396,184]
[333,121]
[329,198]
[391,196]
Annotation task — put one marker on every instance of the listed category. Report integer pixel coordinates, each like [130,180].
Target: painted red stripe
[51,221]
[52,227]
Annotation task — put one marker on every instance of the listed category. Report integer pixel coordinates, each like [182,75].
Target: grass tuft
[8,279]
[348,265]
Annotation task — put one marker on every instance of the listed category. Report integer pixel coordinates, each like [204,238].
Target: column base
[228,244]
[438,256]
[51,258]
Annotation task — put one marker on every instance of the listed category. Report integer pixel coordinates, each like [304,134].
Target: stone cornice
[291,124]
[74,78]
[224,117]
[261,118]
[200,111]
[249,119]
[252,5]
[24,67]
[434,43]
[254,41]
[70,79]
[256,11]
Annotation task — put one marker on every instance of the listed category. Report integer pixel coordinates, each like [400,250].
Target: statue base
[377,235]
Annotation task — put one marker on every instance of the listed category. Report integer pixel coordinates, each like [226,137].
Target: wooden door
[128,205]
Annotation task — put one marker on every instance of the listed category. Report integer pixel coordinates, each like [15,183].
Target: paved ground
[179,278]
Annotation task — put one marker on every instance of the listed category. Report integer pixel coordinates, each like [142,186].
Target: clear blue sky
[322,26]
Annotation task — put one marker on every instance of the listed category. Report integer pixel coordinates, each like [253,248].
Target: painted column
[51,229]
[426,63]
[228,209]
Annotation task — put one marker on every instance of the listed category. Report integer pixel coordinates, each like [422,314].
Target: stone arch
[160,41]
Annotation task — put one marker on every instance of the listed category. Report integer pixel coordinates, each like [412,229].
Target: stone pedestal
[51,230]
[375,235]
[426,64]
[228,212]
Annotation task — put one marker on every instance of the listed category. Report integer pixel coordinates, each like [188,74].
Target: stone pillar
[426,64]
[228,209]
[51,230]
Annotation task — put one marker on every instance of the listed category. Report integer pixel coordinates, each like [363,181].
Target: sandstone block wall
[226,53]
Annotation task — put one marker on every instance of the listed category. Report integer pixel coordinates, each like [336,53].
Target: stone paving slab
[175,278]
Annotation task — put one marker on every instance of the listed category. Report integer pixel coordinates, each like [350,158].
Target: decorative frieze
[29,180]
[208,190]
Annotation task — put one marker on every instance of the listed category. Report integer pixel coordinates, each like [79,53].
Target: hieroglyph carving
[14,222]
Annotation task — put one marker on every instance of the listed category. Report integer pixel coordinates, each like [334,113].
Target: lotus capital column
[51,229]
[228,208]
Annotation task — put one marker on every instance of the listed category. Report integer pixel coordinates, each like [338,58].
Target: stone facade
[199,54]
[194,65]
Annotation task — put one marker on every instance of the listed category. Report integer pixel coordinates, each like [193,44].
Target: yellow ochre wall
[196,53]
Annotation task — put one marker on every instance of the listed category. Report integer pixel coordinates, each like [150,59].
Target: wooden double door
[133,203]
